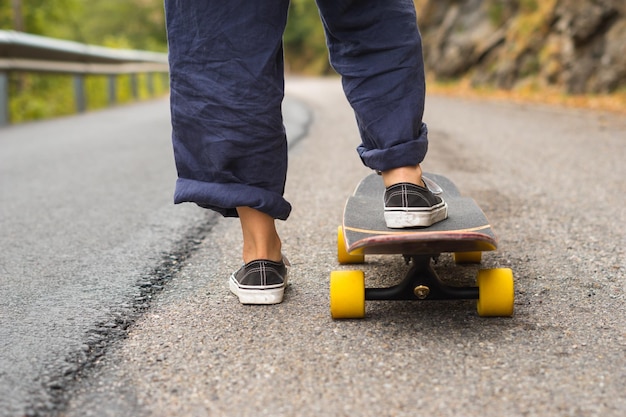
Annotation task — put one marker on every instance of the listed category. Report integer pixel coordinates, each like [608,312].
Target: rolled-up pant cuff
[224,198]
[403,154]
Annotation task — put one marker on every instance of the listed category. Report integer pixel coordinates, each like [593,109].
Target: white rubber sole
[401,218]
[257,295]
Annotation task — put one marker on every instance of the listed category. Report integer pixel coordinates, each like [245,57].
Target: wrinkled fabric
[227,86]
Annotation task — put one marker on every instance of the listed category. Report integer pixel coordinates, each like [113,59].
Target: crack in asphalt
[56,385]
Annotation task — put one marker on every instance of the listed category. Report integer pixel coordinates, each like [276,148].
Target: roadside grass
[531,94]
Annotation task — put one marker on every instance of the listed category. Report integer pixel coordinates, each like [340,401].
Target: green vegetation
[496,11]
[529,6]
[305,43]
[139,24]
[130,24]
[35,96]
[41,96]
[135,24]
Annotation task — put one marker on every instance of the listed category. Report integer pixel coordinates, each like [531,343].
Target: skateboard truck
[422,283]
[493,291]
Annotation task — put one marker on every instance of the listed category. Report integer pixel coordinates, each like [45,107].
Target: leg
[263,277]
[226,67]
[226,70]
[376,47]
[410,174]
[260,239]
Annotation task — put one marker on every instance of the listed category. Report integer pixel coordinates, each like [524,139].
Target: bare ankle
[270,250]
[410,174]
[260,238]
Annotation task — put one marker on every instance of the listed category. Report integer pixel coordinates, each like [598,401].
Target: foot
[260,282]
[410,205]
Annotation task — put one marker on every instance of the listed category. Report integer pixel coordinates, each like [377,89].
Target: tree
[137,24]
[18,20]
[305,43]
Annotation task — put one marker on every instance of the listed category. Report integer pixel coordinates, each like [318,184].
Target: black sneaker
[409,205]
[260,282]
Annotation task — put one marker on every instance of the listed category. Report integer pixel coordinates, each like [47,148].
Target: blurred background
[546,50]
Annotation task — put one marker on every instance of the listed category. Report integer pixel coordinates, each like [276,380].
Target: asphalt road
[114,302]
[89,235]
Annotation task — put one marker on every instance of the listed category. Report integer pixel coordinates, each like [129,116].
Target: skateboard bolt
[421,291]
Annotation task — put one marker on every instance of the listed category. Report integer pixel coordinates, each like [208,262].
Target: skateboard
[466,233]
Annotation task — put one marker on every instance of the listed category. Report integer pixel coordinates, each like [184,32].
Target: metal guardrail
[21,52]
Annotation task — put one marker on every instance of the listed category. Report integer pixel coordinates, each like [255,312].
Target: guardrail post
[134,86]
[4,98]
[112,90]
[79,93]
[150,84]
[22,52]
[165,78]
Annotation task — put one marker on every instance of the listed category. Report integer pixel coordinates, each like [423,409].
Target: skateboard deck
[466,233]
[465,230]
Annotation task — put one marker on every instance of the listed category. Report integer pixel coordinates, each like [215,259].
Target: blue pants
[227,86]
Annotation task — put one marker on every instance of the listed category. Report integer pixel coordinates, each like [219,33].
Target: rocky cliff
[578,46]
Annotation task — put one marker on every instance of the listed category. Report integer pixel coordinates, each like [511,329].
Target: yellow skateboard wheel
[343,256]
[347,294]
[467,257]
[496,293]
